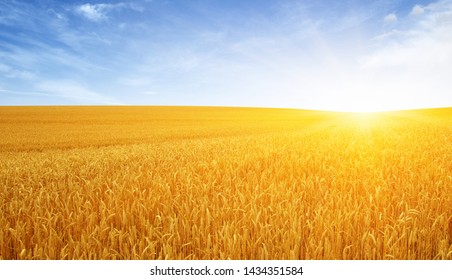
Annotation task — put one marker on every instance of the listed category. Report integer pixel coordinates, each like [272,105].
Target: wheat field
[224,183]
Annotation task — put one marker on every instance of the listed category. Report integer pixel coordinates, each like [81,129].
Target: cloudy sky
[331,55]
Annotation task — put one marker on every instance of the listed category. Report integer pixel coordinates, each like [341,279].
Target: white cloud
[94,12]
[136,7]
[391,18]
[394,33]
[417,10]
[98,12]
[413,66]
[403,68]
[426,42]
[293,61]
[10,72]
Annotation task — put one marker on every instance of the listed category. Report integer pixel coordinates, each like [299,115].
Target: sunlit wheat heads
[224,183]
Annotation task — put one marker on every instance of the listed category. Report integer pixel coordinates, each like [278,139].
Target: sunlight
[364,118]
[370,102]
[359,107]
[364,110]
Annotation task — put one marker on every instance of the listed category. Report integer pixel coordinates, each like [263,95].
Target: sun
[365,106]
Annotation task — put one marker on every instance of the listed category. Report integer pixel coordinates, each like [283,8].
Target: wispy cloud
[99,12]
[12,12]
[12,73]
[25,93]
[43,45]
[93,12]
[73,91]
[412,65]
[423,43]
[62,91]
[417,10]
[314,54]
[390,18]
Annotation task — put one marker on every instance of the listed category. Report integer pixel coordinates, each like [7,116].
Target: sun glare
[370,106]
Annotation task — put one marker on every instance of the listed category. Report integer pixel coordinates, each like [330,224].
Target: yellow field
[224,183]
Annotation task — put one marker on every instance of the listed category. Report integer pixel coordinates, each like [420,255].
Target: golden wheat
[224,183]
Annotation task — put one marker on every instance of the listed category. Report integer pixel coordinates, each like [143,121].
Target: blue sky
[331,55]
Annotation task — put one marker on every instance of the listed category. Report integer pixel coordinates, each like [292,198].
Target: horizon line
[229,106]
